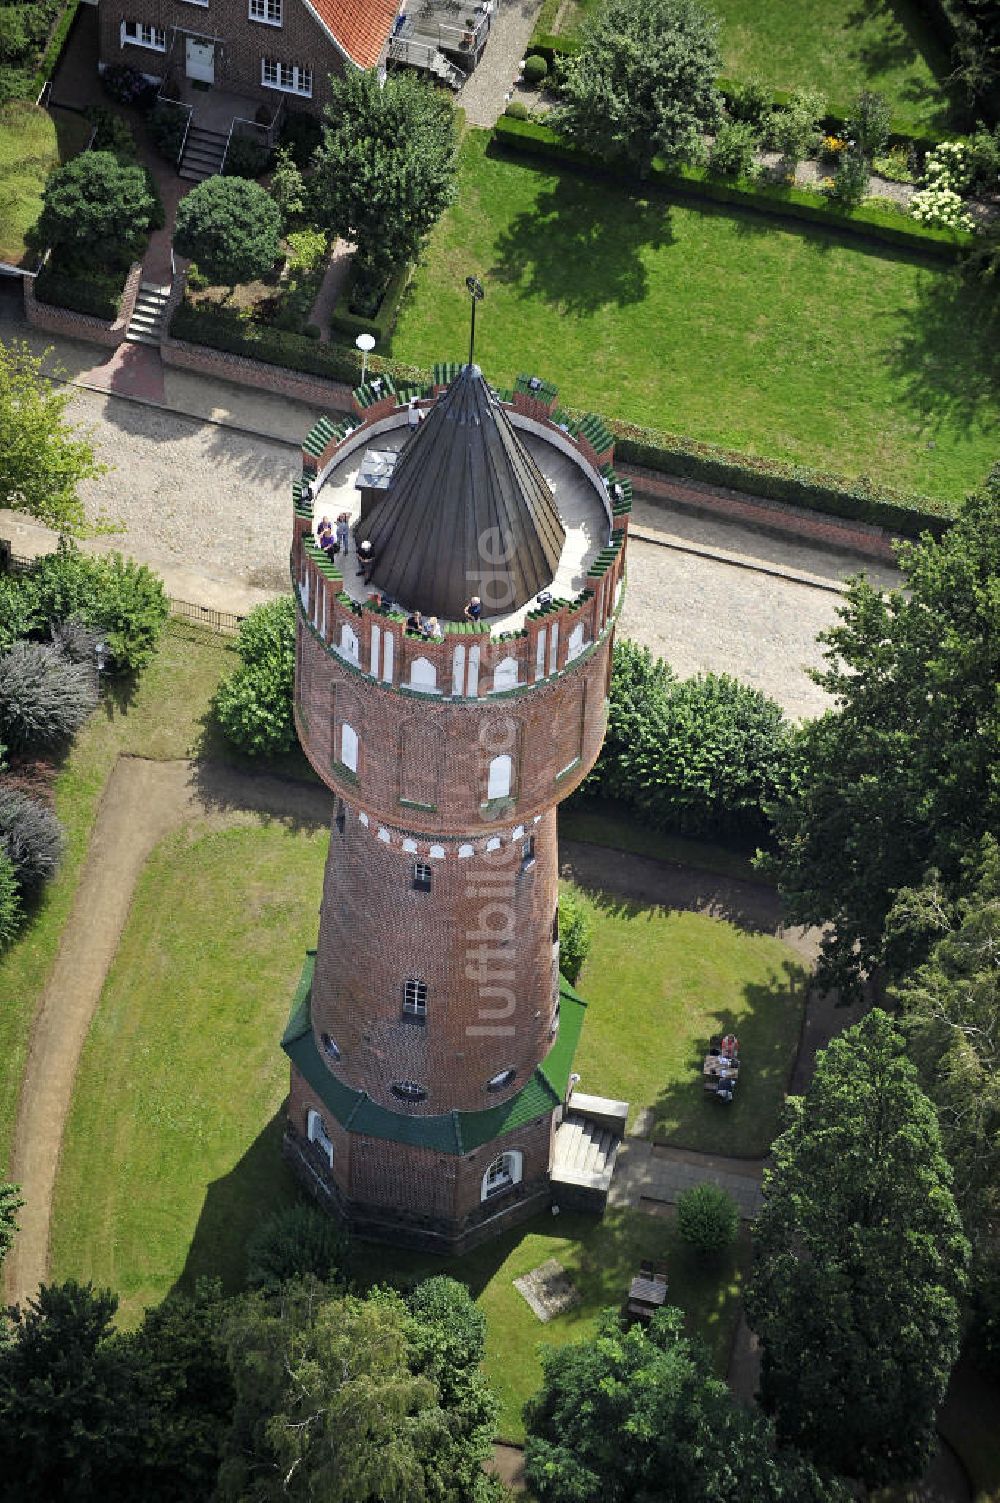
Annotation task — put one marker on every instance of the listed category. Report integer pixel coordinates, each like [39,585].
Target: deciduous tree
[43,457]
[98,206]
[859,1261]
[643,83]
[231,227]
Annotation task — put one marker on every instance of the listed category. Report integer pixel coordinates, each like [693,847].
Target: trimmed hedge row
[53,51]
[867,222]
[203,323]
[860,500]
[381,325]
[98,296]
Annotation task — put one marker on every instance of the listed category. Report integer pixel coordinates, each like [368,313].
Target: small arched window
[349,643]
[503,1174]
[317,1133]
[330,1047]
[349,747]
[500,777]
[423,674]
[500,1081]
[408,1090]
[505,674]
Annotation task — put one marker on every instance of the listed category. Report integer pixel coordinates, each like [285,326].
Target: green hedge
[52,53]
[869,223]
[862,500]
[343,321]
[97,295]
[206,323]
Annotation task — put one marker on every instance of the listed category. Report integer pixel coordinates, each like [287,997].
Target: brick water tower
[431,1040]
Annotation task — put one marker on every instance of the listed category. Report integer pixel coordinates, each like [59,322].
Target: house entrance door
[199,60]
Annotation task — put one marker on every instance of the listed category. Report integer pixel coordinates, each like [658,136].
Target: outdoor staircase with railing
[204,151]
[146,324]
[428,58]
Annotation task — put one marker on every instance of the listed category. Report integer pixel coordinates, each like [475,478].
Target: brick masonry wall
[81,325]
[481,940]
[255,373]
[240,44]
[759,511]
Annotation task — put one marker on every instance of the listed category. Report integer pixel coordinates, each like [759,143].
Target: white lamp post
[365,343]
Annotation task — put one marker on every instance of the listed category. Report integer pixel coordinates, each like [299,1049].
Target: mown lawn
[658,984]
[723,326]
[33,141]
[168,1161]
[162,716]
[601,1257]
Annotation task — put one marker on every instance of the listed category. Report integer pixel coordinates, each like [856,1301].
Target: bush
[535,70]
[733,153]
[98,208]
[231,227]
[517,110]
[708,1219]
[31,838]
[18,610]
[984,159]
[92,293]
[127,85]
[114,133]
[117,597]
[10,901]
[295,1242]
[870,123]
[576,931]
[455,1326]
[794,130]
[287,187]
[254,706]
[850,183]
[167,124]
[750,100]
[301,134]
[247,158]
[44,697]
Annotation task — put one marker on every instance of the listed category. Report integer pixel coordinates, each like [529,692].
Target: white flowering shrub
[940,208]
[949,166]
[947,175]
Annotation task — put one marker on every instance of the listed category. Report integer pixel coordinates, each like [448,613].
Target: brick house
[432,1038]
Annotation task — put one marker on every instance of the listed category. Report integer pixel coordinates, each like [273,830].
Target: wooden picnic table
[646,1291]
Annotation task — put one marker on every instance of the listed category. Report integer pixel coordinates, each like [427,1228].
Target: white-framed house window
[268,11]
[141,35]
[415,1000]
[422,876]
[408,1090]
[503,1174]
[500,777]
[349,747]
[317,1133]
[290,78]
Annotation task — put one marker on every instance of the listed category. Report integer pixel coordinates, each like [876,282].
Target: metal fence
[226,623]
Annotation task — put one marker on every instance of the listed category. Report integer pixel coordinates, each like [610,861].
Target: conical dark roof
[467,511]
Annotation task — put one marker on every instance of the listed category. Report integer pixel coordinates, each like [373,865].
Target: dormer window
[408,1090]
[499,1082]
[330,1048]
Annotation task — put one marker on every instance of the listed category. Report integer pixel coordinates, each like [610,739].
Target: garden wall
[56,320]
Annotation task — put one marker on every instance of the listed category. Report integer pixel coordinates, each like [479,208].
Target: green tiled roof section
[606,557]
[319,436]
[367,394]
[451,1132]
[314,552]
[303,508]
[593,428]
[544,391]
[622,507]
[445,372]
[566,420]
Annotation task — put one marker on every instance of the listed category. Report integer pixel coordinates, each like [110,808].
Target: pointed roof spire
[467,511]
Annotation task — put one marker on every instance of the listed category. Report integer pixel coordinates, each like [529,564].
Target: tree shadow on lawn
[579,251]
[947,358]
[280,792]
[905,40]
[685,1115]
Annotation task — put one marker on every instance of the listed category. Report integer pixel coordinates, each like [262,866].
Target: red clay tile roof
[360,26]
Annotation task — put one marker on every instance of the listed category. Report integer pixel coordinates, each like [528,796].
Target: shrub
[247,158]
[18,610]
[576,931]
[117,597]
[287,187]
[707,1218]
[984,159]
[99,208]
[794,130]
[301,134]
[896,165]
[850,184]
[517,110]
[535,70]
[294,1242]
[166,124]
[44,697]
[31,838]
[455,1326]
[10,901]
[127,85]
[114,133]
[870,123]
[231,227]
[733,153]
[750,100]
[254,706]
[84,291]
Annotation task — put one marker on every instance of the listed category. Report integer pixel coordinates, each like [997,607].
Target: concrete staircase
[204,151]
[586,1146]
[146,323]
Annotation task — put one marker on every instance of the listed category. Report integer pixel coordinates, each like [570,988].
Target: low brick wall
[55,320]
[758,511]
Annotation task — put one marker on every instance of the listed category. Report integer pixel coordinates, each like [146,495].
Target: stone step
[139,336]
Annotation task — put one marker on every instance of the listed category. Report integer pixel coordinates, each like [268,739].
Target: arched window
[576,642]
[330,1046]
[349,747]
[458,670]
[348,643]
[317,1133]
[408,1090]
[423,674]
[505,674]
[501,1081]
[500,777]
[503,1174]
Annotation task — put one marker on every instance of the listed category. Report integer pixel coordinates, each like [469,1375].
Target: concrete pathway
[332,285]
[485,96]
[658,1176]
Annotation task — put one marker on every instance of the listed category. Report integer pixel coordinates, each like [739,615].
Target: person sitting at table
[415,622]
[474,610]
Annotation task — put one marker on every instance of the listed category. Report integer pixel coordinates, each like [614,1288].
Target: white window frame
[500,777]
[409,1090]
[317,1133]
[415,999]
[267,12]
[349,747]
[287,78]
[502,1079]
[503,1174]
[140,34]
[423,876]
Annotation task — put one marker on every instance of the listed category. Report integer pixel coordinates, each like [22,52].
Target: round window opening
[497,1082]
[408,1090]
[330,1048]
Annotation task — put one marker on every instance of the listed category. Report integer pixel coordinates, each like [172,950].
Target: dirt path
[142,802]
